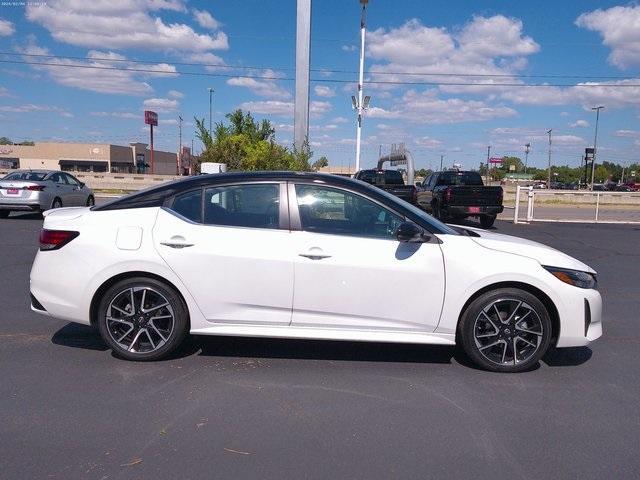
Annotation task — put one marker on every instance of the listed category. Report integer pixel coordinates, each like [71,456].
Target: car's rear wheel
[439,212]
[90,201]
[57,203]
[142,319]
[487,221]
[505,330]
[4,213]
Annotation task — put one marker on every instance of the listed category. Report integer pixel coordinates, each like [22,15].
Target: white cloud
[161,105]
[284,109]
[627,133]
[121,25]
[175,94]
[206,20]
[620,31]
[579,124]
[4,92]
[263,88]
[427,107]
[340,120]
[324,91]
[428,142]
[6,28]
[31,107]
[128,115]
[212,61]
[349,48]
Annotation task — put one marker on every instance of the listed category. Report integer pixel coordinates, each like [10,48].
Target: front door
[351,272]
[227,246]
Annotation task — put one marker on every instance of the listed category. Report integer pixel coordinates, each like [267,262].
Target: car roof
[155,196]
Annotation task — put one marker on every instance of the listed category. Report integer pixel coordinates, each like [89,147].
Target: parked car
[40,190]
[390,181]
[223,255]
[458,195]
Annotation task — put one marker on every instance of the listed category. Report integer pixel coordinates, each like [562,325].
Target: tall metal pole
[549,172]
[527,147]
[488,155]
[360,82]
[179,156]
[210,110]
[595,145]
[152,164]
[303,47]
[441,159]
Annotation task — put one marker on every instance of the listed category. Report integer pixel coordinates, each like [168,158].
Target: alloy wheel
[508,331]
[140,319]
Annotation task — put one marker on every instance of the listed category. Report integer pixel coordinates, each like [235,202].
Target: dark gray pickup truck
[390,181]
[457,195]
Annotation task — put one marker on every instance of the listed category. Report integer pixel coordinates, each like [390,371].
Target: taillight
[55,239]
[36,188]
[447,194]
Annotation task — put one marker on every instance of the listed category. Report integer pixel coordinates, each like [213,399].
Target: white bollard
[517,207]
[597,205]
[530,205]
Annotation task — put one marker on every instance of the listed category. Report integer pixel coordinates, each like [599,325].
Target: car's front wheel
[142,319]
[505,330]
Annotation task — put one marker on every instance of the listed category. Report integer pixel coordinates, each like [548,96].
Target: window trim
[283,212]
[296,223]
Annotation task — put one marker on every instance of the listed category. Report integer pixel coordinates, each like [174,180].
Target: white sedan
[281,254]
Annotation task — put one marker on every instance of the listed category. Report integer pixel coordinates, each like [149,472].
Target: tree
[321,162]
[5,141]
[246,144]
[423,172]
[508,161]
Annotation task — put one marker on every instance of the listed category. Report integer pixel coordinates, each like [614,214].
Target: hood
[520,246]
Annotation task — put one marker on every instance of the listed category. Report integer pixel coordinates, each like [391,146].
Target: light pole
[210,111]
[527,148]
[488,155]
[360,104]
[549,173]
[441,159]
[179,159]
[595,143]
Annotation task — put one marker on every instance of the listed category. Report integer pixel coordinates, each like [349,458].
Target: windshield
[460,178]
[435,223]
[30,176]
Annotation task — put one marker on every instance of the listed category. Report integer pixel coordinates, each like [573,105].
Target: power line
[319,69]
[318,80]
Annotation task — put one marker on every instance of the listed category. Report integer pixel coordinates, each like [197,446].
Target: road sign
[151,118]
[495,160]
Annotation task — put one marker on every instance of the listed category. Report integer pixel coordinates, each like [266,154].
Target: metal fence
[575,206]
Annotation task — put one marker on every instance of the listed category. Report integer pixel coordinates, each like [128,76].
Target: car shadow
[25,216]
[82,336]
[469,223]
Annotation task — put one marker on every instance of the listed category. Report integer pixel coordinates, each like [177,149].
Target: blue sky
[430,44]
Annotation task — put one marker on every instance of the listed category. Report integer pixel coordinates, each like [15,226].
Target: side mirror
[81,184]
[411,233]
[418,184]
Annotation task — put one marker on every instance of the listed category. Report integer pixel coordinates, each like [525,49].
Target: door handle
[176,242]
[314,253]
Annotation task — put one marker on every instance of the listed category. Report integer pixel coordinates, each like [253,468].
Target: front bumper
[581,320]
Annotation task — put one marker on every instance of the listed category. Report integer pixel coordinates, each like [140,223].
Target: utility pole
[359,105]
[488,156]
[210,110]
[179,156]
[441,159]
[549,173]
[527,148]
[595,143]
[191,156]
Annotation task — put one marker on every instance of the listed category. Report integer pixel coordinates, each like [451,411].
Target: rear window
[29,176]
[460,178]
[383,177]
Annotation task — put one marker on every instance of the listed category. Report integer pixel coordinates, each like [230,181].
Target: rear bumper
[465,210]
[22,206]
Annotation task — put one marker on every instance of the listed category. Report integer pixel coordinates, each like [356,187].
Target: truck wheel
[486,221]
[439,212]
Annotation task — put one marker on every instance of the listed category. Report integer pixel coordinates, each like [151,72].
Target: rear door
[231,247]
[351,271]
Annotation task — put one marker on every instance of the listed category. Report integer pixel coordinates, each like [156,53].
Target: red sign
[495,160]
[151,118]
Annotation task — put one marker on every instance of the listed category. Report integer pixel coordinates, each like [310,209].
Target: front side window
[339,212]
[71,180]
[248,205]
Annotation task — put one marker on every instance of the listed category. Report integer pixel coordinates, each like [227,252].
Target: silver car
[39,190]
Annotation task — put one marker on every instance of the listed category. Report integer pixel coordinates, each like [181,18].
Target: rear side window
[460,178]
[248,205]
[31,176]
[189,205]
[393,177]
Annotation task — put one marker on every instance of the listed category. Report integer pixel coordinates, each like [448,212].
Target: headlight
[574,277]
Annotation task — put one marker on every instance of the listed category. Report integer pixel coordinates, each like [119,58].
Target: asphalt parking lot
[256,408]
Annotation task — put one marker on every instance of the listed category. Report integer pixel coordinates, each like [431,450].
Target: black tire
[4,213]
[167,339]
[57,203]
[530,333]
[487,221]
[91,201]
[439,212]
